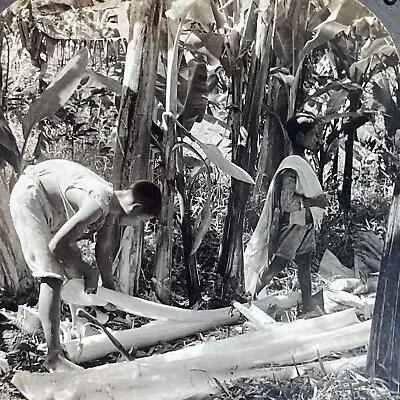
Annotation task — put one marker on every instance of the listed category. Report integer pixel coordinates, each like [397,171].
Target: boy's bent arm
[104,251]
[69,233]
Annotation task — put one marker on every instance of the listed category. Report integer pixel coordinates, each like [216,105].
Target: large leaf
[214,155]
[210,44]
[375,55]
[337,99]
[350,11]
[382,95]
[196,94]
[282,44]
[335,86]
[292,16]
[202,223]
[362,27]
[196,10]
[8,145]
[123,20]
[378,47]
[106,4]
[97,80]
[358,69]
[324,32]
[56,94]
[332,149]
[220,19]
[59,6]
[370,26]
[282,75]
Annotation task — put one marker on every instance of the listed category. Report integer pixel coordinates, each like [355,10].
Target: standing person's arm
[104,251]
[320,201]
[290,201]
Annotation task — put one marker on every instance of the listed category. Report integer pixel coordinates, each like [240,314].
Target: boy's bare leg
[267,274]
[49,313]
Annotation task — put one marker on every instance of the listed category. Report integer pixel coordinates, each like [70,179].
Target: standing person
[53,205]
[292,211]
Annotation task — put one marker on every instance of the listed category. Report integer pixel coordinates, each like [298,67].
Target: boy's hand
[65,253]
[72,258]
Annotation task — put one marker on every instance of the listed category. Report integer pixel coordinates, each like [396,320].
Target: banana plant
[56,94]
[386,95]
[367,60]
[185,102]
[345,43]
[52,99]
[302,28]
[13,269]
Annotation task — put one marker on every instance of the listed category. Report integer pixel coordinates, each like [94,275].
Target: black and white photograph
[199,200]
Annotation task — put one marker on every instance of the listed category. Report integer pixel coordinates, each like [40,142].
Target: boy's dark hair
[301,122]
[148,195]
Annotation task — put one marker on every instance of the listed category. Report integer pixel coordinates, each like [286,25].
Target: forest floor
[24,351]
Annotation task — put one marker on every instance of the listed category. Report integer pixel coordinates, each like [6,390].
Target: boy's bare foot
[91,279]
[59,363]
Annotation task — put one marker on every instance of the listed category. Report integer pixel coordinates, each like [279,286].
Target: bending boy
[292,211]
[53,205]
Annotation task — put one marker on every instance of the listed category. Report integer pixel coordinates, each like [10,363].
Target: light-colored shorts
[30,212]
[295,240]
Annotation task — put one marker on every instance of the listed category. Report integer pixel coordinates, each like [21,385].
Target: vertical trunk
[189,260]
[162,273]
[163,264]
[335,170]
[349,149]
[384,348]
[14,274]
[348,172]
[273,146]
[230,263]
[133,142]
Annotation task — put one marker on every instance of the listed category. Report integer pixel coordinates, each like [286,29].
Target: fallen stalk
[190,371]
[82,313]
[93,347]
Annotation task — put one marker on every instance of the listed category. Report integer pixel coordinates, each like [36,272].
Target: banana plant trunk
[189,259]
[132,150]
[14,273]
[231,263]
[355,97]
[164,260]
[163,264]
[273,146]
[384,346]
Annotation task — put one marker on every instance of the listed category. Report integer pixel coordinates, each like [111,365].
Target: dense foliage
[340,67]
